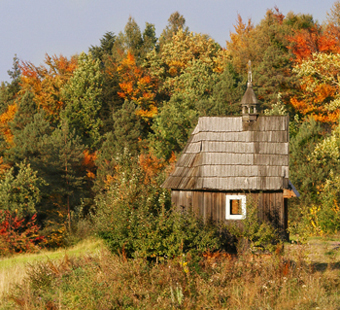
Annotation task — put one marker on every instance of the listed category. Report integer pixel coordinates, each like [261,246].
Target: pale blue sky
[31,28]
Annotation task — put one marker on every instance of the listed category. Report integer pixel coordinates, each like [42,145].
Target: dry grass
[106,281]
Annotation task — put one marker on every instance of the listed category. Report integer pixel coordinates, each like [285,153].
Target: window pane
[235,207]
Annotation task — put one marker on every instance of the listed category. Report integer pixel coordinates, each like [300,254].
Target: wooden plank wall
[212,205]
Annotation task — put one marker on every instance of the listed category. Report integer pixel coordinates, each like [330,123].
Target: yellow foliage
[46,83]
[5,118]
[137,85]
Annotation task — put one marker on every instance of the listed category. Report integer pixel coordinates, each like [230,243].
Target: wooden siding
[209,205]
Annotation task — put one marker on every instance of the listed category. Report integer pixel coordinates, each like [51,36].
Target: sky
[32,28]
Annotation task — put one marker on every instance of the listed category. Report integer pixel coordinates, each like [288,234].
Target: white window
[235,207]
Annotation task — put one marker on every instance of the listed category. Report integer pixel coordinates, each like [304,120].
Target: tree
[105,47]
[227,92]
[60,162]
[149,38]
[82,97]
[46,83]
[127,129]
[306,175]
[333,16]
[171,128]
[320,87]
[20,190]
[176,21]
[138,86]
[129,41]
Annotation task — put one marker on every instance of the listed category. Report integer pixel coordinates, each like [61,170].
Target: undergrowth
[109,281]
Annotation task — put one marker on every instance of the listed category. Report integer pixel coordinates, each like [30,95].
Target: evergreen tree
[149,38]
[27,141]
[82,96]
[20,190]
[64,173]
[176,21]
[127,129]
[105,47]
[305,174]
[9,91]
[226,94]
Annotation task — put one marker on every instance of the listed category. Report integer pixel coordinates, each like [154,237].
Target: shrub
[254,234]
[135,216]
[18,234]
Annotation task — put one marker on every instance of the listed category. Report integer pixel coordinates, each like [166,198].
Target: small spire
[250,75]
[249,101]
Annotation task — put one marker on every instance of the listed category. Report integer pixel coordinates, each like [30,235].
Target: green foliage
[20,190]
[82,98]
[253,234]
[171,128]
[227,93]
[277,108]
[134,216]
[149,37]
[176,21]
[127,129]
[105,48]
[306,175]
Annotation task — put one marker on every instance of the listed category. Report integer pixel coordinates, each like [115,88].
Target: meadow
[88,276]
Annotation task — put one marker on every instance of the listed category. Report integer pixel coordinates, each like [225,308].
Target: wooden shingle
[225,153]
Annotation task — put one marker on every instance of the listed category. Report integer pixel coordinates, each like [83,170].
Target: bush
[18,234]
[254,234]
[135,216]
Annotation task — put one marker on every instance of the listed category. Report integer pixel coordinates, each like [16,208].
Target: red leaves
[305,42]
[18,235]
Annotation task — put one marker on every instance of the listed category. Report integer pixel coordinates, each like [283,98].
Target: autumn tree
[320,86]
[46,82]
[333,16]
[137,85]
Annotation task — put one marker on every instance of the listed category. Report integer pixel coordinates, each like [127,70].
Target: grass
[13,269]
[89,277]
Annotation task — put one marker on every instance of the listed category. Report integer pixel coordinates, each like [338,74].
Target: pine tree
[82,97]
[105,47]
[176,21]
[127,129]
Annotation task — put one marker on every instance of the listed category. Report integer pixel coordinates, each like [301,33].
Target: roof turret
[249,101]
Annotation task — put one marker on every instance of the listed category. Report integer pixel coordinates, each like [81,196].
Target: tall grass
[106,281]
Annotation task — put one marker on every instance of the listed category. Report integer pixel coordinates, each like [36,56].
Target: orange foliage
[3,167]
[5,118]
[151,165]
[45,83]
[314,104]
[305,42]
[89,163]
[240,44]
[137,85]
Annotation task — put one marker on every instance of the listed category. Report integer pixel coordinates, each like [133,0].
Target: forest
[87,141]
[72,129]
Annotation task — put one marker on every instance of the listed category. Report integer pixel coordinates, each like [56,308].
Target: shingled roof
[226,153]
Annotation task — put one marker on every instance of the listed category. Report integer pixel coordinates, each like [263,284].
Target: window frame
[242,216]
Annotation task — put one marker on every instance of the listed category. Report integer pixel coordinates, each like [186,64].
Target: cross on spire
[250,75]
[249,101]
